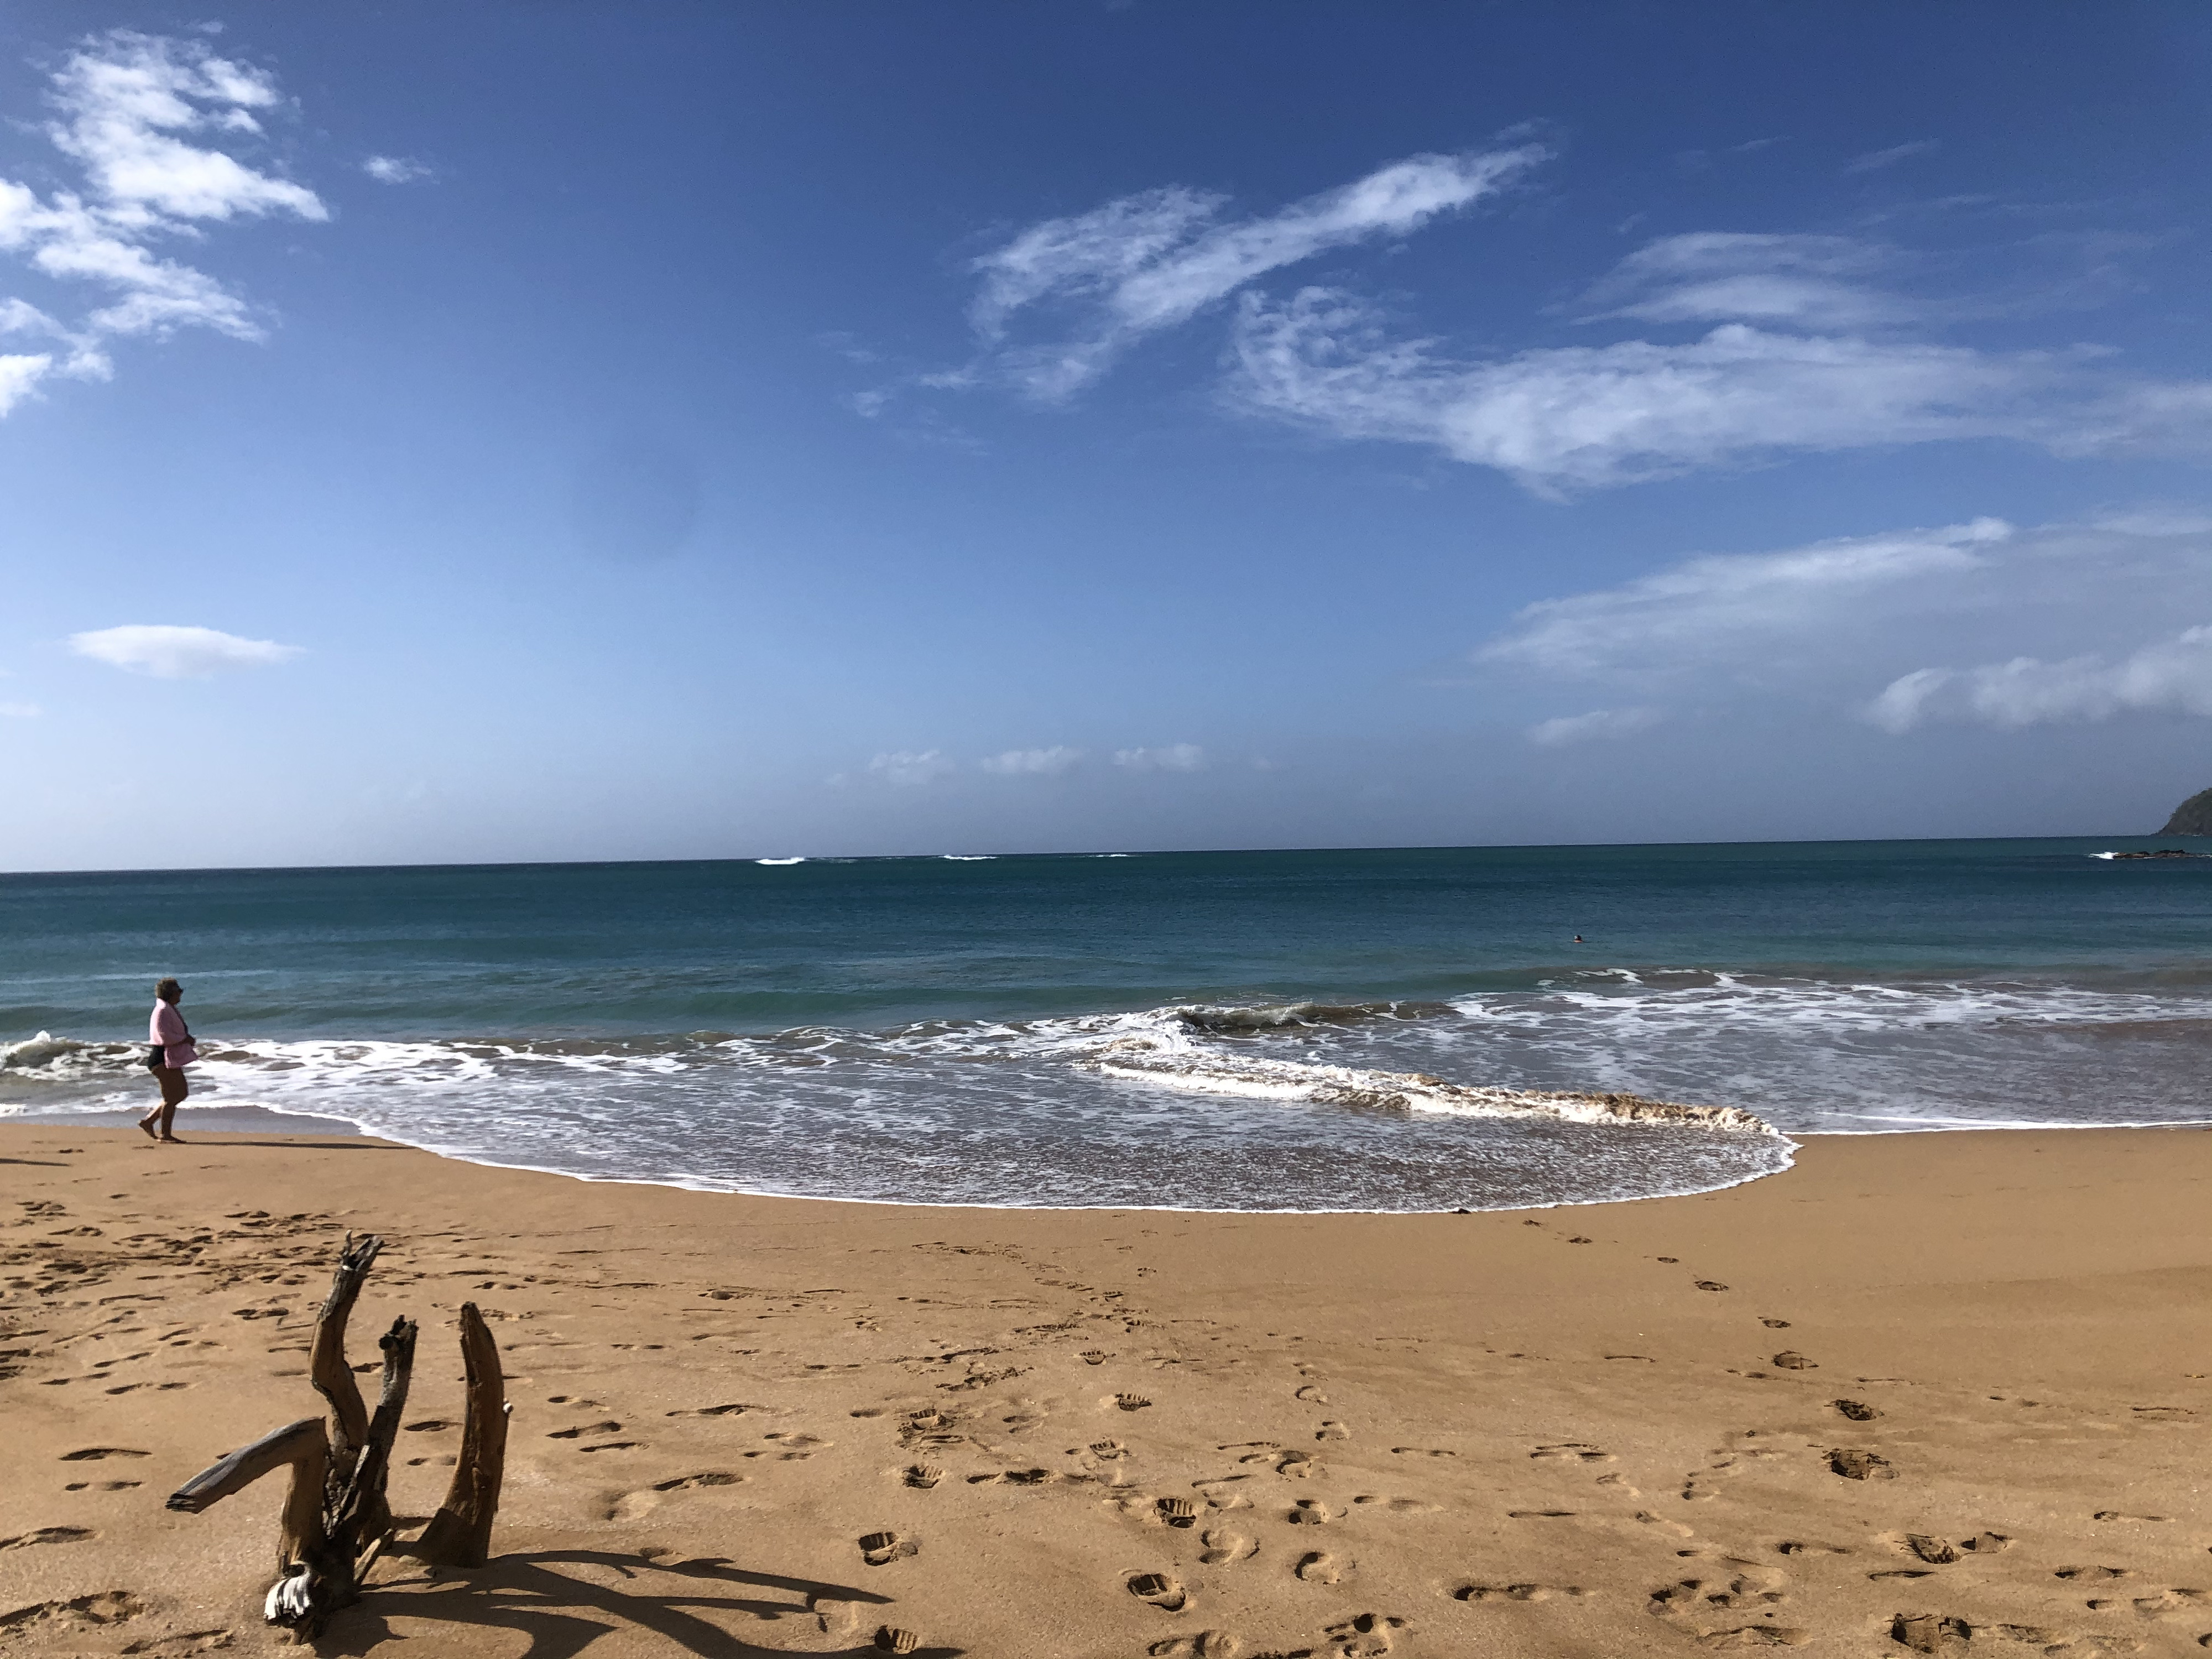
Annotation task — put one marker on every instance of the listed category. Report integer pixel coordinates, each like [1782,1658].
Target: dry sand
[1608,1431]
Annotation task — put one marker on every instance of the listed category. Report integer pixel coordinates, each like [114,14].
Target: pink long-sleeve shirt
[167,1029]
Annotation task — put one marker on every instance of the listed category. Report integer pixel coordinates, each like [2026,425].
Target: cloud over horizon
[2072,620]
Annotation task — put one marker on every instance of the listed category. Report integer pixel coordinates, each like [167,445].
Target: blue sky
[554,431]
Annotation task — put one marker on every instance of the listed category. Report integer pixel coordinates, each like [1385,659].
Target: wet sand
[1605,1430]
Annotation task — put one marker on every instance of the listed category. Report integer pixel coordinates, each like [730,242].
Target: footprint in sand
[102,1485]
[1800,1547]
[708,1478]
[1363,1636]
[1127,1402]
[1857,1410]
[1929,1632]
[1776,1324]
[600,1446]
[1414,1506]
[1791,1360]
[1199,1644]
[1332,1431]
[46,1536]
[1223,1546]
[609,1427]
[1311,1396]
[2165,1602]
[880,1549]
[1108,1449]
[1176,1511]
[1515,1592]
[190,1641]
[1420,1452]
[1749,1585]
[93,1454]
[1094,1355]
[2091,1574]
[923,1476]
[1860,1465]
[1163,1592]
[792,1447]
[1572,1451]
[1308,1512]
[1319,1567]
[891,1639]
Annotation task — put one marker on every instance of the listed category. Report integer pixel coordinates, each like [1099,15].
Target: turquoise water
[1223,1031]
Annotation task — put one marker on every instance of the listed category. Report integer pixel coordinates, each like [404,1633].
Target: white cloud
[2172,675]
[1711,277]
[175,653]
[1598,724]
[1706,607]
[2056,615]
[19,374]
[1174,758]
[394,169]
[131,107]
[1033,762]
[1148,262]
[909,767]
[1589,416]
[20,711]
[1875,159]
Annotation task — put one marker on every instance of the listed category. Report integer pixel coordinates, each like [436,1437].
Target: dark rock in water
[2192,817]
[2162,853]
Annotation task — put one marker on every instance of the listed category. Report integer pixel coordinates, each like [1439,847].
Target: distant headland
[2192,817]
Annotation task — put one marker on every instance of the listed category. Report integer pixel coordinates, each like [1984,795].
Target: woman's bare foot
[172,1140]
[147,1124]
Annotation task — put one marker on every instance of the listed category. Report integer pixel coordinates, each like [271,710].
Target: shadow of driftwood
[564,1613]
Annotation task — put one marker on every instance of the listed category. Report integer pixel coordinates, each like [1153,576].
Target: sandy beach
[1608,1430]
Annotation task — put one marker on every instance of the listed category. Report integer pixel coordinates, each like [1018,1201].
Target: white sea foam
[780,862]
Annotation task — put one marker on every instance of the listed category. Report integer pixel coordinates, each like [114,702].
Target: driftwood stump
[336,1520]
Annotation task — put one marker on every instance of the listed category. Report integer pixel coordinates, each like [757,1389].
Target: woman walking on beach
[172,1050]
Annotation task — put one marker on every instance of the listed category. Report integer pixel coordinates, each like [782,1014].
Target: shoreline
[1510,1431]
[346,1128]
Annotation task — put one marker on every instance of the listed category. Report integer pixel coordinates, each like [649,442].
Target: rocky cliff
[2192,817]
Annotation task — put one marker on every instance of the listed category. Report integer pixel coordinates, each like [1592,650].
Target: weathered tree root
[337,1520]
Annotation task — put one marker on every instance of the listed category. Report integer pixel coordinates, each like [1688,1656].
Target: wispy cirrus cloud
[1563,419]
[1596,727]
[1107,278]
[1797,281]
[171,653]
[1874,160]
[150,123]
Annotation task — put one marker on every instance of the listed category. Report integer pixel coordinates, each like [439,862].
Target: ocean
[1366,1030]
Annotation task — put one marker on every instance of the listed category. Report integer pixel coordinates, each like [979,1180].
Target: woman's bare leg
[175,1087]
